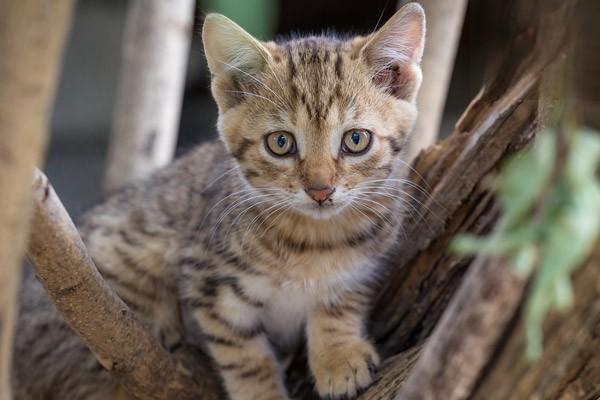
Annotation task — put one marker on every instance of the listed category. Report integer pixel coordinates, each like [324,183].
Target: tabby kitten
[277,232]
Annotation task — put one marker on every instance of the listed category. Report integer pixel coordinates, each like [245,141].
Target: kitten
[275,233]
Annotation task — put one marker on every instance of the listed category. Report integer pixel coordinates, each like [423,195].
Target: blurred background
[86,95]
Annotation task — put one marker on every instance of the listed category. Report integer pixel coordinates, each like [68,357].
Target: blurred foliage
[550,222]
[258,17]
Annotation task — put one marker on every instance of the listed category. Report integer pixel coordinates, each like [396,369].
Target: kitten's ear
[233,55]
[394,52]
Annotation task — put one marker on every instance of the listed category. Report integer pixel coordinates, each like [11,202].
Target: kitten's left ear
[394,52]
[234,57]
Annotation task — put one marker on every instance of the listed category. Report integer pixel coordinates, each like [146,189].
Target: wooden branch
[461,163]
[467,334]
[144,134]
[569,367]
[444,26]
[92,309]
[32,36]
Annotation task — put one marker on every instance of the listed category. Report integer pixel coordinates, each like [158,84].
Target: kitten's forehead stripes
[314,64]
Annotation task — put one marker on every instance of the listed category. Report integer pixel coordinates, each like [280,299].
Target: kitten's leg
[239,347]
[341,359]
[148,289]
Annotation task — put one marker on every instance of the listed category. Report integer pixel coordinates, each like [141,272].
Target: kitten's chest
[285,315]
[290,301]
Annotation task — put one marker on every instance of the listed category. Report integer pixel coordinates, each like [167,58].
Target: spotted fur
[228,237]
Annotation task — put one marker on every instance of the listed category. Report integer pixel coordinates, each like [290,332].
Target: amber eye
[281,143]
[356,141]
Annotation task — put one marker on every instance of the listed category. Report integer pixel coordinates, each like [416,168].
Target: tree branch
[467,334]
[156,45]
[32,36]
[569,367]
[92,309]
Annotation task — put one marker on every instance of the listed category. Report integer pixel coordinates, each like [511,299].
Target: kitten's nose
[320,194]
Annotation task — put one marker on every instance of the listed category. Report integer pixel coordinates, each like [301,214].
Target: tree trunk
[32,36]
[146,121]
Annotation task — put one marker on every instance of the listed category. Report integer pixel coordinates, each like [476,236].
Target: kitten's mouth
[323,210]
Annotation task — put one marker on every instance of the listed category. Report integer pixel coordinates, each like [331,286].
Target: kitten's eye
[356,141]
[280,143]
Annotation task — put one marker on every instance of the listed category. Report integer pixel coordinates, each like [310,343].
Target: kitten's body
[226,234]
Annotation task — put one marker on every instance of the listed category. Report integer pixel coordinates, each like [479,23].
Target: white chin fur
[315,211]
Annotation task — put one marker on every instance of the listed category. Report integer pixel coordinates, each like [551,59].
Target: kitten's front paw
[341,371]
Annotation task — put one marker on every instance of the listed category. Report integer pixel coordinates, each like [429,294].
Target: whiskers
[269,216]
[375,196]
[243,201]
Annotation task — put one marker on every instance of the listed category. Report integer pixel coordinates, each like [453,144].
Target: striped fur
[228,236]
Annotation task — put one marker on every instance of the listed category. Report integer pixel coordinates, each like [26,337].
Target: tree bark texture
[32,36]
[91,308]
[444,26]
[146,120]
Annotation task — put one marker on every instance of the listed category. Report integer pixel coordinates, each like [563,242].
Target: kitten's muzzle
[320,194]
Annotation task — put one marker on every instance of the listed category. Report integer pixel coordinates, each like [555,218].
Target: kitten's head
[316,123]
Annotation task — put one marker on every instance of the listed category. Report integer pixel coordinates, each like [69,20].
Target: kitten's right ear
[230,50]
[394,52]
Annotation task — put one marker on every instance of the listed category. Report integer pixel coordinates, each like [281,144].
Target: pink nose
[320,194]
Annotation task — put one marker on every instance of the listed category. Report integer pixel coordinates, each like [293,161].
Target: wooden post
[156,46]
[444,26]
[32,36]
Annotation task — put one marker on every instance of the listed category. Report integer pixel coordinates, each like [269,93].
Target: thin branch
[156,46]
[32,36]
[92,309]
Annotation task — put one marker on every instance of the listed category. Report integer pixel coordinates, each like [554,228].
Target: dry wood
[467,334]
[32,36]
[92,309]
[569,367]
[156,45]
[444,26]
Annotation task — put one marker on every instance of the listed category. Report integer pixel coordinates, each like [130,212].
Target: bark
[444,26]
[467,333]
[32,36]
[146,120]
[569,367]
[92,309]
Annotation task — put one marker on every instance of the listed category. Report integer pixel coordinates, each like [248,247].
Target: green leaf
[522,179]
[547,237]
